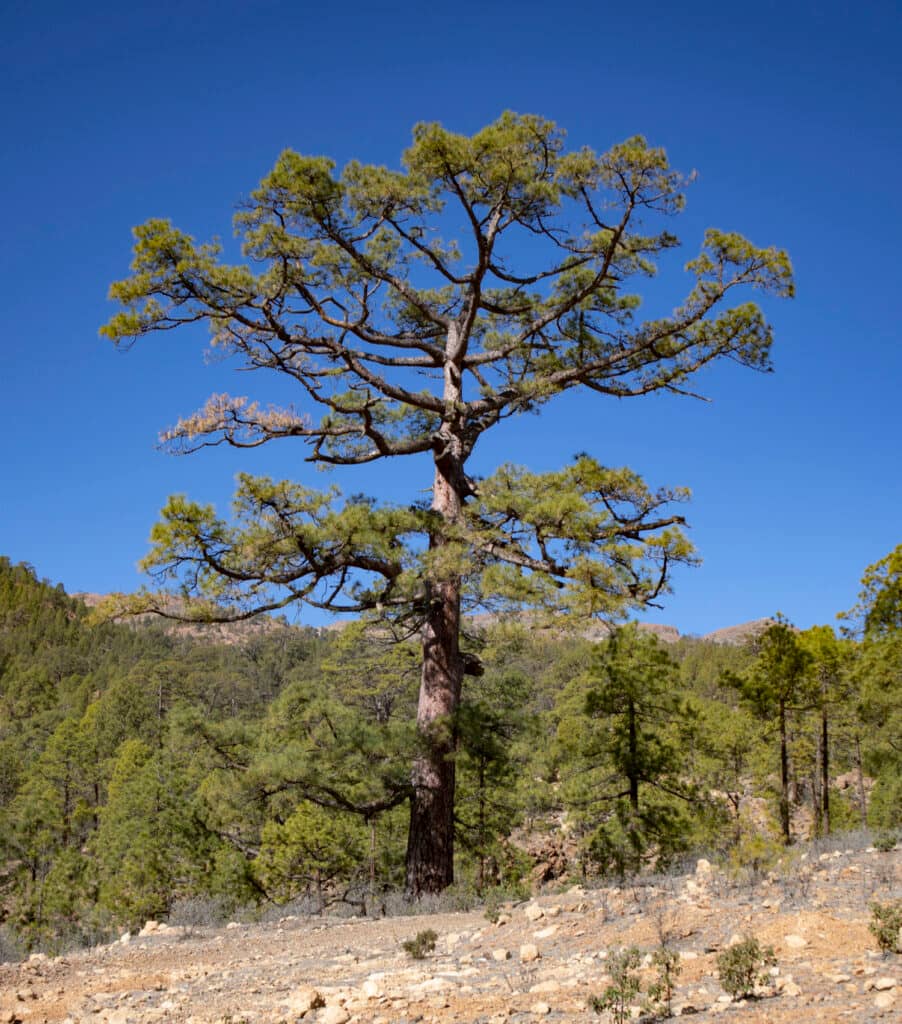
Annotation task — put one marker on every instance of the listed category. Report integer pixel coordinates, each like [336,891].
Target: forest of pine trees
[141,767]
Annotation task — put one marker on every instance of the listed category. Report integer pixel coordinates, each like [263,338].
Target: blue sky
[115,113]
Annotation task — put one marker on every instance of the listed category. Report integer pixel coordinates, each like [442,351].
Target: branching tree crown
[402,342]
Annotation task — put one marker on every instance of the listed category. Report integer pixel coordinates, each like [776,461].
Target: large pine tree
[411,343]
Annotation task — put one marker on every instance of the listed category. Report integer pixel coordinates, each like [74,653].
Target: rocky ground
[541,960]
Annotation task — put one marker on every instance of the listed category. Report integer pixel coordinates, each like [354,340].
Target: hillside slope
[540,961]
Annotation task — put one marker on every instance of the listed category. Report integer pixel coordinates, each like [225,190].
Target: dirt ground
[332,971]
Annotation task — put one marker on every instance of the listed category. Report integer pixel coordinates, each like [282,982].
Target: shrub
[421,944]
[886,926]
[885,841]
[625,984]
[660,993]
[743,966]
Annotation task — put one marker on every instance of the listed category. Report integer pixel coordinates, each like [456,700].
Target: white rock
[433,985]
[534,912]
[703,868]
[232,925]
[501,954]
[885,1001]
[545,933]
[688,954]
[544,987]
[540,1009]
[529,952]
[884,984]
[370,989]
[795,941]
[334,1015]
[125,938]
[552,911]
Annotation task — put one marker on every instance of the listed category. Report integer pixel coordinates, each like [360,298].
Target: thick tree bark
[430,841]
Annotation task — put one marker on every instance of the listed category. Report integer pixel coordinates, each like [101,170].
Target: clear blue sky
[113,113]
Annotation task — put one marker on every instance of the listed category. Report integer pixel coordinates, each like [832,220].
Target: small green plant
[494,900]
[885,841]
[886,926]
[421,944]
[625,984]
[666,962]
[754,856]
[743,966]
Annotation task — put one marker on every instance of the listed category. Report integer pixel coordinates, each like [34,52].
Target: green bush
[625,984]
[421,944]
[666,962]
[885,841]
[743,966]
[886,926]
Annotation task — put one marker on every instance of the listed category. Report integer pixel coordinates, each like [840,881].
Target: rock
[125,938]
[884,984]
[544,987]
[795,941]
[501,954]
[703,868]
[552,911]
[503,919]
[370,989]
[232,925]
[150,928]
[839,979]
[688,954]
[885,1001]
[334,1015]
[304,1000]
[684,1009]
[540,1009]
[529,952]
[534,912]
[546,933]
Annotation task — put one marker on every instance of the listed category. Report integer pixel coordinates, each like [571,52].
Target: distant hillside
[737,635]
[209,632]
[264,625]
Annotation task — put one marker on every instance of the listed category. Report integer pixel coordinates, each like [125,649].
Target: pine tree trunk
[634,759]
[859,774]
[825,770]
[430,841]
[784,778]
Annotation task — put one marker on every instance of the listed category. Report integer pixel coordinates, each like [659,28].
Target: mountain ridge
[234,632]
